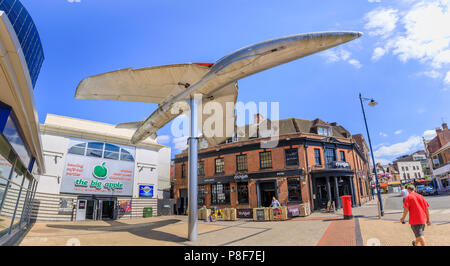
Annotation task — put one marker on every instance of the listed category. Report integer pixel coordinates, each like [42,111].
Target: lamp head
[372,102]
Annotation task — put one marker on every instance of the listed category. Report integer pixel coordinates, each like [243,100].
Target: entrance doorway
[267,190]
[92,208]
[182,202]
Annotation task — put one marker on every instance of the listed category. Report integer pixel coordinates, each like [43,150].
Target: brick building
[438,154]
[314,162]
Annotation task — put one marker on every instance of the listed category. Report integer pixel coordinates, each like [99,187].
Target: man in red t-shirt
[417,207]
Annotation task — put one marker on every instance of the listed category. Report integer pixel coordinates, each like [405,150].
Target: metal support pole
[193,158]
[373,160]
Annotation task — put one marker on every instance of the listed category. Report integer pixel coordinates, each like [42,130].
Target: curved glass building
[27,34]
[21,154]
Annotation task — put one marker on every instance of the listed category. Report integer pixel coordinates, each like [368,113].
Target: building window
[241,162]
[220,166]
[183,171]
[406,167]
[291,156]
[330,155]
[342,155]
[408,176]
[415,175]
[201,168]
[317,156]
[265,159]
[324,131]
[242,191]
[404,176]
[220,194]
[403,168]
[294,189]
[201,196]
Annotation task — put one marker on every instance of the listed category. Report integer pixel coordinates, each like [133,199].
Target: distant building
[95,173]
[314,162]
[438,154]
[409,169]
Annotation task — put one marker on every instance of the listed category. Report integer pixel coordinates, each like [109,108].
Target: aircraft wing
[151,85]
[217,127]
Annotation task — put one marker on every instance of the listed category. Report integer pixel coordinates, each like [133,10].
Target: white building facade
[410,170]
[94,173]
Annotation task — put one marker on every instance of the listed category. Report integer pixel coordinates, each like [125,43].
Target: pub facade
[313,161]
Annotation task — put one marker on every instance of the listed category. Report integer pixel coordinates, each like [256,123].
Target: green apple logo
[100,171]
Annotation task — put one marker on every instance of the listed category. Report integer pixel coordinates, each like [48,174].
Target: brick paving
[321,229]
[339,233]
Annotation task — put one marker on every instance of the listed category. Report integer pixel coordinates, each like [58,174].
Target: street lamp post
[372,103]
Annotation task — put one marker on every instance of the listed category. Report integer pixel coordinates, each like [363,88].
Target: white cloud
[382,161]
[447,78]
[432,74]
[399,148]
[421,33]
[381,22]
[383,134]
[378,53]
[180,143]
[398,132]
[336,55]
[429,134]
[421,110]
[374,1]
[163,139]
[74,1]
[355,63]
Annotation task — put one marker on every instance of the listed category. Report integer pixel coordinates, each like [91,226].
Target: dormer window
[324,131]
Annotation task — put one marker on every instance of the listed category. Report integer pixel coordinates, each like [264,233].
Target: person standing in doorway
[404,193]
[275,202]
[417,207]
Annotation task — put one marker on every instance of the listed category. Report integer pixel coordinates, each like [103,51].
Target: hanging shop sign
[98,175]
[145,191]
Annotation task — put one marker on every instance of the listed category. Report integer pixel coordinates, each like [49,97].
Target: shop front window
[330,155]
[294,189]
[10,200]
[242,191]
[201,196]
[220,194]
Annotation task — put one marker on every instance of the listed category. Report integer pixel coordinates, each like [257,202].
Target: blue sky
[402,60]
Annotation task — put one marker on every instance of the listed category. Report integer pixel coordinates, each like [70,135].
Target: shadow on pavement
[145,230]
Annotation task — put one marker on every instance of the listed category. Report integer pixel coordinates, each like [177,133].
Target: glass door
[81,210]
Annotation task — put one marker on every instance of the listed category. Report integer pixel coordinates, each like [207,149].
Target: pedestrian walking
[275,202]
[404,193]
[417,207]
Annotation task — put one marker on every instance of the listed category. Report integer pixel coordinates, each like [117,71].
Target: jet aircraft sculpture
[167,85]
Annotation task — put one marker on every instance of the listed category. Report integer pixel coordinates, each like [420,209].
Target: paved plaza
[319,229]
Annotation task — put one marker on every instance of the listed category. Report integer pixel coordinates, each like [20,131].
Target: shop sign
[125,206]
[244,213]
[240,177]
[65,206]
[293,210]
[97,176]
[277,213]
[145,191]
[260,214]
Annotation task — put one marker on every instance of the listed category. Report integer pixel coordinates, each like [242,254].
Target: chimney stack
[258,118]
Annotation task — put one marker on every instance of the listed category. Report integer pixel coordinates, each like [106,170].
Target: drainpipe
[309,178]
